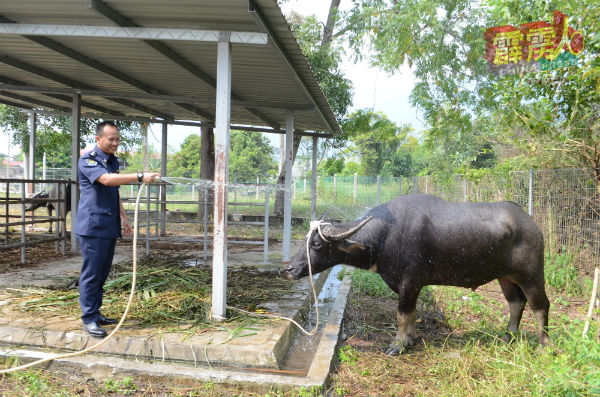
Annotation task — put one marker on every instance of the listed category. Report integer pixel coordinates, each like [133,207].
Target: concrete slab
[100,367]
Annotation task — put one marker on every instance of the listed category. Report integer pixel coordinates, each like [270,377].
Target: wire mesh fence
[565,203]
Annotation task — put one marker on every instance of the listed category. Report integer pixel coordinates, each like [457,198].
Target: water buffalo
[420,240]
[54,193]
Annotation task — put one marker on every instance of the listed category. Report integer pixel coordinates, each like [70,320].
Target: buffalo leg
[516,303]
[406,336]
[536,295]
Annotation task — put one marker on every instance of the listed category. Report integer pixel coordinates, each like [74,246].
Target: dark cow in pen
[420,240]
[54,193]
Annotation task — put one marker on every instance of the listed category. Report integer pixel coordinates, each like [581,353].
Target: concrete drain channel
[296,360]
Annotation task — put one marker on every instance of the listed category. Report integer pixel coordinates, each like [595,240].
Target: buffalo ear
[351,247]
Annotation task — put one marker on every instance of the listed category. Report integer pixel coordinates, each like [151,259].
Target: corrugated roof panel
[260,75]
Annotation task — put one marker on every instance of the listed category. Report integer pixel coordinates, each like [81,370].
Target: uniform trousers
[97,253]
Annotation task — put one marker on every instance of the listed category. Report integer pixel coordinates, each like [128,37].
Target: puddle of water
[304,347]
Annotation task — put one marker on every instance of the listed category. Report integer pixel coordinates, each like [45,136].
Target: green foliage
[186,162]
[331,166]
[348,355]
[371,284]
[53,135]
[135,162]
[324,62]
[560,272]
[375,137]
[123,387]
[250,155]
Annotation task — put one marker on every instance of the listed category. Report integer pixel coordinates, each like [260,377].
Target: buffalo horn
[346,234]
[322,218]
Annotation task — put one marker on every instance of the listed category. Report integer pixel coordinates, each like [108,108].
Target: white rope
[314,225]
[131,294]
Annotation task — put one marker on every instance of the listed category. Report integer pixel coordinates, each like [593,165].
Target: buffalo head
[328,245]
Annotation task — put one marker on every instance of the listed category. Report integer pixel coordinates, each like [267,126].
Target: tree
[186,162]
[323,55]
[442,40]
[250,156]
[375,137]
[53,134]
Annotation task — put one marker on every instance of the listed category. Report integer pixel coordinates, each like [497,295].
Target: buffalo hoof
[397,348]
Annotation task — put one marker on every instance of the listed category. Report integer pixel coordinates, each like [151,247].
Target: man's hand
[126,227]
[150,177]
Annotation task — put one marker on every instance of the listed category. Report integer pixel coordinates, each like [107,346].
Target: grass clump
[371,284]
[561,273]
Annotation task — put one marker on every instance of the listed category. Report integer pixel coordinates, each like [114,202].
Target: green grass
[461,353]
[560,272]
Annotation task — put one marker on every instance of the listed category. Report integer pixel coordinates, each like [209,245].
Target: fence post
[193,190]
[23,223]
[426,184]
[257,182]
[205,221]
[464,190]
[147,219]
[400,184]
[354,192]
[378,189]
[334,186]
[530,207]
[304,191]
[266,238]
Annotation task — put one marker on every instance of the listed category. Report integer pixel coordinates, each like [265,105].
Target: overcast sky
[373,88]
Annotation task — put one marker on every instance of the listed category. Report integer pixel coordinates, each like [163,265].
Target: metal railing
[11,199]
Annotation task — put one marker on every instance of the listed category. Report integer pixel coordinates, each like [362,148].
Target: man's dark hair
[101,125]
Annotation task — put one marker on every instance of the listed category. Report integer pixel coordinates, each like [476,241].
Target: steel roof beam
[137,33]
[72,83]
[14,104]
[168,98]
[84,59]
[65,98]
[261,21]
[121,20]
[32,101]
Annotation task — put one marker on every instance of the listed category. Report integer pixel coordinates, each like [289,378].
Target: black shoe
[94,330]
[103,320]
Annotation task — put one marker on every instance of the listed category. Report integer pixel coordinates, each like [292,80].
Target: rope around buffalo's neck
[129,301]
[314,225]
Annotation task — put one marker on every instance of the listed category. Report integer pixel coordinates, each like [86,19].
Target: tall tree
[250,155]
[443,42]
[323,55]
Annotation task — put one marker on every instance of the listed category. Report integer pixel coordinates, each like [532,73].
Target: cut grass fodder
[170,293]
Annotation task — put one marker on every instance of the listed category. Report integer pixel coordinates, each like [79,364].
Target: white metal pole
[530,206]
[44,170]
[354,194]
[222,123]
[32,128]
[378,189]
[163,172]
[313,187]
[334,186]
[287,196]
[75,141]
[257,182]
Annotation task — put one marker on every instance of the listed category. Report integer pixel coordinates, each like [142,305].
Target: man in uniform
[98,222]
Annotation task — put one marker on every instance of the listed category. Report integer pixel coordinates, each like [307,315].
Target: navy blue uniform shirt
[98,212]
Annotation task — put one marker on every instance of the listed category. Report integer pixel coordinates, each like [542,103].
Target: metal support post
[23,223]
[313,187]
[287,196]
[334,186]
[378,189]
[222,124]
[44,171]
[75,143]
[266,238]
[426,184]
[163,172]
[355,191]
[530,206]
[31,158]
[147,219]
[464,190]
[257,182]
[204,255]
[304,180]
[400,185]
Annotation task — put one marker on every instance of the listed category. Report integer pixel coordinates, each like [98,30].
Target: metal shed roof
[146,77]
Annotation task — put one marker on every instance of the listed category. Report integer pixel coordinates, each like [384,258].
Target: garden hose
[131,294]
